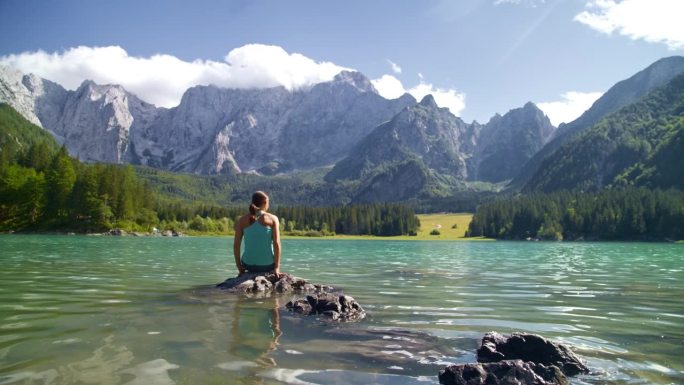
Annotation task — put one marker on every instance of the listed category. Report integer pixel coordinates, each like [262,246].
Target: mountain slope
[621,94]
[18,135]
[422,131]
[639,144]
[507,142]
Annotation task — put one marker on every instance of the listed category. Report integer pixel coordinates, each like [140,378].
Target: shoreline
[339,237]
[434,227]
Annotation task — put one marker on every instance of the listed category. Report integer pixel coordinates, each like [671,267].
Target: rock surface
[529,348]
[268,283]
[333,306]
[508,142]
[510,372]
[423,131]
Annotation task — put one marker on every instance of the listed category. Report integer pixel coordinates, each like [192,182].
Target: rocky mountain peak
[29,94]
[429,102]
[507,142]
[529,106]
[355,79]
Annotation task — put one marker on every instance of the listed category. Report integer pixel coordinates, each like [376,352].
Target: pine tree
[60,179]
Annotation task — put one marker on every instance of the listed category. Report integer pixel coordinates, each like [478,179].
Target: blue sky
[479,56]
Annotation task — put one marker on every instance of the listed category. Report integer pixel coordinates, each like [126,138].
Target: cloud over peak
[390,87]
[162,79]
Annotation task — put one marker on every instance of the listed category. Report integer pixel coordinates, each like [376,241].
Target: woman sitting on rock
[261,232]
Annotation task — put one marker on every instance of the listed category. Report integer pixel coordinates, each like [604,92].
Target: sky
[477,57]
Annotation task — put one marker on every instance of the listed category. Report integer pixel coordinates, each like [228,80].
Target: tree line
[381,219]
[614,214]
[45,189]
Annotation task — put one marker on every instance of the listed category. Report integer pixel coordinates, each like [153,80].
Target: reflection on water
[255,331]
[141,311]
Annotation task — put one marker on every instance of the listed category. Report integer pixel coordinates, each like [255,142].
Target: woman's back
[258,244]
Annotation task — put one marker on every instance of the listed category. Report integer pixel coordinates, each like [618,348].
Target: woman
[261,232]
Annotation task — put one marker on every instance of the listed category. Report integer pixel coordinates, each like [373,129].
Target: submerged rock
[529,348]
[333,306]
[267,283]
[509,372]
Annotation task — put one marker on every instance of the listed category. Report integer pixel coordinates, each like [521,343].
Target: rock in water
[267,283]
[333,306]
[510,372]
[529,348]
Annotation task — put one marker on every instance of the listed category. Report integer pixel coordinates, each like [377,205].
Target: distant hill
[620,95]
[641,144]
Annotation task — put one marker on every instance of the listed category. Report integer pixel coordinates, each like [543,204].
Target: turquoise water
[85,310]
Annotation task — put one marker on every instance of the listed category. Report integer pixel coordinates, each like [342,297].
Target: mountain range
[217,130]
[382,149]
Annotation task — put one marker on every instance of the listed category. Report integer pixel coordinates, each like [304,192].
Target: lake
[109,310]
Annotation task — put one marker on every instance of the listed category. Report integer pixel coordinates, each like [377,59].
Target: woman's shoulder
[271,216]
[244,219]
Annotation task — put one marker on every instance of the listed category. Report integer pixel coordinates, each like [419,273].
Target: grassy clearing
[449,226]
[443,223]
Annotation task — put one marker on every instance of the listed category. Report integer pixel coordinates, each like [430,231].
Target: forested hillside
[637,145]
[620,95]
[42,187]
[622,214]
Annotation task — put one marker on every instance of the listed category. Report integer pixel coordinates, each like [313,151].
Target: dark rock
[300,306]
[334,307]
[529,348]
[267,283]
[509,372]
[118,232]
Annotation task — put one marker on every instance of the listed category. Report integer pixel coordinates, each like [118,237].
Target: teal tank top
[258,245]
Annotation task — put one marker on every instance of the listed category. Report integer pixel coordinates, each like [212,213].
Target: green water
[83,310]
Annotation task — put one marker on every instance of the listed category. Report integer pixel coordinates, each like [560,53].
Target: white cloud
[390,87]
[570,108]
[395,67]
[162,79]
[655,21]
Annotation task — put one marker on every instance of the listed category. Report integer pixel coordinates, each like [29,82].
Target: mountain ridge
[634,145]
[621,94]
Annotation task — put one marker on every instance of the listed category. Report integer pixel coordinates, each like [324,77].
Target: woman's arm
[237,241]
[276,245]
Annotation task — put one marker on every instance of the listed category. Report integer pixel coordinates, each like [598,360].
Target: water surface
[142,311]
